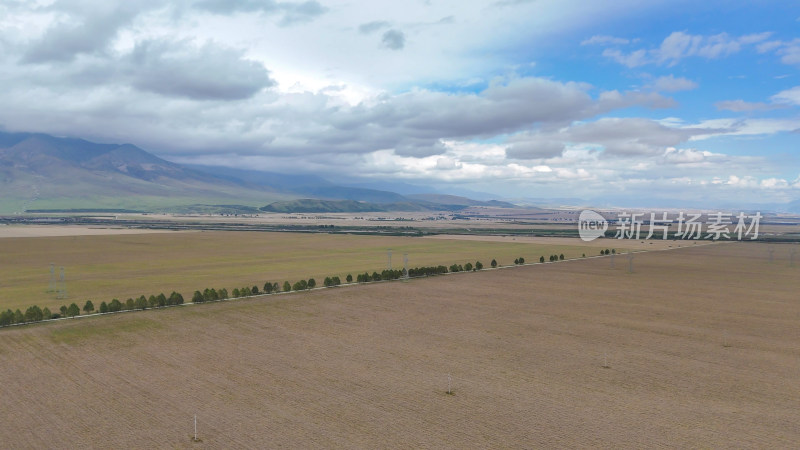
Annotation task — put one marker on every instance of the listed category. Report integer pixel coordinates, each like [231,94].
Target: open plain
[120,263]
[701,348]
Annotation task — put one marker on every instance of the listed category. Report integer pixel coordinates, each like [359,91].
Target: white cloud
[789,96]
[679,45]
[672,84]
[605,40]
[743,106]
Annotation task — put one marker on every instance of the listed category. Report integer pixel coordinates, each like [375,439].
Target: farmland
[101,265]
[701,347]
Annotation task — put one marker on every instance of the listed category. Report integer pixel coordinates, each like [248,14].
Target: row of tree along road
[37,314]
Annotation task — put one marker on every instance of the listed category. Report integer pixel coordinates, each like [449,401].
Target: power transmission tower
[390,258]
[62,289]
[52,286]
[405,265]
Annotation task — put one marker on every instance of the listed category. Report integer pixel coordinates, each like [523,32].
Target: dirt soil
[701,348]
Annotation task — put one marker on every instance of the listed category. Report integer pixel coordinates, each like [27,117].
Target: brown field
[702,344]
[103,266]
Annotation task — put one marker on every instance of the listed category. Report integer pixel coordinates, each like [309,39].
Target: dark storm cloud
[205,73]
[393,39]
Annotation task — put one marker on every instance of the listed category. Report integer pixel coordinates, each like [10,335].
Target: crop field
[101,267]
[698,347]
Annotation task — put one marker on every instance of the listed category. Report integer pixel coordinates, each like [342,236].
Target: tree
[286,286]
[312,283]
[88,308]
[176,298]
[33,314]
[561,257]
[115,306]
[254,290]
[468,267]
[223,294]
[73,310]
[521,260]
[337,281]
[46,313]
[198,297]
[349,278]
[130,304]
[494,263]
[268,288]
[20,318]
[583,255]
[478,265]
[63,310]
[541,259]
[236,293]
[103,308]
[161,299]
[516,261]
[6,318]
[613,251]
[152,301]
[141,303]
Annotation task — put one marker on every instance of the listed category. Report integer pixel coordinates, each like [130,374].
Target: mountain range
[40,172]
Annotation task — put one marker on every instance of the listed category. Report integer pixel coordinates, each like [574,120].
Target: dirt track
[702,344]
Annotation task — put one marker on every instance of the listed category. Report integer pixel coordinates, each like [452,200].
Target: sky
[629,101]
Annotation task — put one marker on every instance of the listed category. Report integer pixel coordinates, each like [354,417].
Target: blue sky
[628,101]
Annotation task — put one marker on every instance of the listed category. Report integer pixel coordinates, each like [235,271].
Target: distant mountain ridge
[47,173]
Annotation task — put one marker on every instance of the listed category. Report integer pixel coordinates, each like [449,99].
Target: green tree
[152,301]
[494,263]
[561,257]
[312,283]
[349,278]
[337,281]
[88,308]
[236,293]
[468,267]
[268,288]
[130,304]
[613,251]
[521,260]
[46,313]
[541,259]
[254,290]
[286,286]
[33,314]
[516,261]
[73,310]
[198,297]
[141,303]
[478,265]
[175,298]
[115,305]
[223,294]
[6,318]
[63,310]
[161,299]
[103,307]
